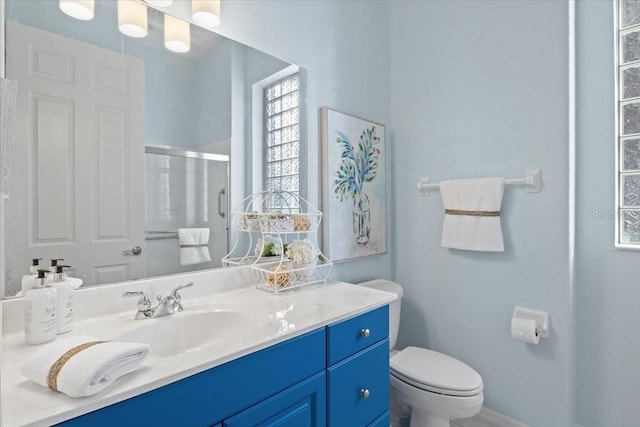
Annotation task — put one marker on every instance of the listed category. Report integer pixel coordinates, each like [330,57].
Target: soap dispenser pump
[54,264]
[40,311]
[64,289]
[29,280]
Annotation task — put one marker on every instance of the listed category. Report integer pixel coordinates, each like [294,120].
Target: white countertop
[276,318]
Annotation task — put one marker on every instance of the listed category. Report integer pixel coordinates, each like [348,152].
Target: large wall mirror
[122,146]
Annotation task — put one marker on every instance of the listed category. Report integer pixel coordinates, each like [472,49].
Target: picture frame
[354,198]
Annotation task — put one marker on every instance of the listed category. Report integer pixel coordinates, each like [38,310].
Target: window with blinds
[282,139]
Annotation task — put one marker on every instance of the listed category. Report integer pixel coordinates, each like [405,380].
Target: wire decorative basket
[280,219]
[281,276]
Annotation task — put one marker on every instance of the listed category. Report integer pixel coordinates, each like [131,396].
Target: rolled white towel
[82,366]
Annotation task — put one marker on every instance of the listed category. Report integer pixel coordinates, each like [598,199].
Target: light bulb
[206,12]
[177,34]
[132,18]
[79,9]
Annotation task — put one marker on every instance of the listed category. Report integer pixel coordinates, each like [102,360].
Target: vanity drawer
[352,335]
[358,387]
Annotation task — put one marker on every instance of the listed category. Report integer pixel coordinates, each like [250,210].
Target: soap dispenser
[64,289]
[54,264]
[29,280]
[40,311]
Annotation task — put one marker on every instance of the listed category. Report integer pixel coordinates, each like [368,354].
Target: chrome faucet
[168,305]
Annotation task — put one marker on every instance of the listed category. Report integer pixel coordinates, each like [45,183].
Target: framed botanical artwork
[353,186]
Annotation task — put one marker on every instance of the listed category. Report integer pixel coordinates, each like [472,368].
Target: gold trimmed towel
[472,214]
[83,365]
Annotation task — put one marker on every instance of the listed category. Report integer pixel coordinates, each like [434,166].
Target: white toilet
[432,386]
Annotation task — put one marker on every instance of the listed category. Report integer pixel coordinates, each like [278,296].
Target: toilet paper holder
[541,318]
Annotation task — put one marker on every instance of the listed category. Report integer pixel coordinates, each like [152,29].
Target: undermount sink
[185,332]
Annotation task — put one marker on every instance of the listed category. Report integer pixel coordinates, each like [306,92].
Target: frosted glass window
[630,82]
[282,139]
[631,47]
[630,13]
[627,142]
[630,223]
[630,155]
[630,118]
[630,190]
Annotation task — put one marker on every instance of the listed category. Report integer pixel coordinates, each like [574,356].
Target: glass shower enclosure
[185,189]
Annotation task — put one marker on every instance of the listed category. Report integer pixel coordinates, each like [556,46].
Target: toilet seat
[435,372]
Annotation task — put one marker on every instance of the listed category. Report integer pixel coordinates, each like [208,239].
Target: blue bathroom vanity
[312,357]
[337,375]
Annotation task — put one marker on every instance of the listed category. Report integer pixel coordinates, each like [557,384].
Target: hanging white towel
[472,214]
[83,365]
[194,244]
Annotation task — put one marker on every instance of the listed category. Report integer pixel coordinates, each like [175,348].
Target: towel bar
[157,235]
[532,182]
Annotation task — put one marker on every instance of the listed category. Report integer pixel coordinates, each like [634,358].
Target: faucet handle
[144,303]
[175,292]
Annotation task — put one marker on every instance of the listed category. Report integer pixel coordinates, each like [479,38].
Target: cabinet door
[383,421]
[302,405]
[359,387]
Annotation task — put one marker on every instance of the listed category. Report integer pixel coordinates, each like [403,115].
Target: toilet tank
[394,307]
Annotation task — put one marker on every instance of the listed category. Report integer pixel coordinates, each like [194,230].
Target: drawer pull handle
[364,393]
[365,332]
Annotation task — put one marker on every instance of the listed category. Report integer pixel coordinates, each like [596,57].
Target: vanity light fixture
[159,3]
[177,34]
[132,18]
[206,12]
[78,9]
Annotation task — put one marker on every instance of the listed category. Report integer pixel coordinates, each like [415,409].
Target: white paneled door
[78,184]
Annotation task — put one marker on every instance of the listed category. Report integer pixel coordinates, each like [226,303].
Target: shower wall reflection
[185,189]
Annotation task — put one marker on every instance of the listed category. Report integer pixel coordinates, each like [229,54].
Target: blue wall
[214,94]
[481,89]
[607,280]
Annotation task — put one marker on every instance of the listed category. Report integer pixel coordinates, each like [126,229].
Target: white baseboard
[489,418]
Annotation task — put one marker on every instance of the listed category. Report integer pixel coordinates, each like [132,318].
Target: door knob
[136,250]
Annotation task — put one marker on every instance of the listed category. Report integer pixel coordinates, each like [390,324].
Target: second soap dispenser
[40,311]
[64,288]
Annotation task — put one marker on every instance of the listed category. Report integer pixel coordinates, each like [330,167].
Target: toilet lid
[436,372]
